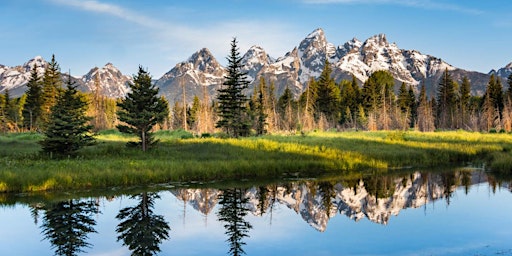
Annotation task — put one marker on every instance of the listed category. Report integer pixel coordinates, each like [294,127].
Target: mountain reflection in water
[72,225]
[376,197]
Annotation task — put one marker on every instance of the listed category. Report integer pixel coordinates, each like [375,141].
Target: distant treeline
[324,105]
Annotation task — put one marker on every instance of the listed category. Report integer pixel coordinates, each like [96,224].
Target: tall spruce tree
[142,109]
[233,118]
[464,102]
[33,104]
[495,90]
[67,128]
[328,95]
[52,88]
[446,102]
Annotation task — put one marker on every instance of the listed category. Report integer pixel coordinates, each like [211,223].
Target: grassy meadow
[181,157]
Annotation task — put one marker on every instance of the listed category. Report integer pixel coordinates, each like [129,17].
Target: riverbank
[178,157]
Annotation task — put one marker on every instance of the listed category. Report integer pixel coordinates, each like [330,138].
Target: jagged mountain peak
[112,82]
[504,72]
[255,61]
[203,60]
[379,39]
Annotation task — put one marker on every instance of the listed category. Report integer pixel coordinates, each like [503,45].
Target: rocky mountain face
[503,72]
[306,61]
[111,81]
[14,78]
[202,74]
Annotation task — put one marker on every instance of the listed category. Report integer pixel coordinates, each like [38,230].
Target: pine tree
[446,102]
[33,104]
[495,91]
[52,88]
[261,108]
[464,100]
[285,106]
[142,109]
[232,101]
[328,95]
[67,129]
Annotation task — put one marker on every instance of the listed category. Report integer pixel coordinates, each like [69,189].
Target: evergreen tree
[328,95]
[33,104]
[232,101]
[67,129]
[377,96]
[142,109]
[285,106]
[141,229]
[52,88]
[413,106]
[232,212]
[495,91]
[261,108]
[446,102]
[464,100]
[193,112]
[67,225]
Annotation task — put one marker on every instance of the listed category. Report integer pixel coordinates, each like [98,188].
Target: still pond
[460,212]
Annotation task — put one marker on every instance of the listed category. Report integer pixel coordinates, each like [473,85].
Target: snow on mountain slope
[200,73]
[12,78]
[112,83]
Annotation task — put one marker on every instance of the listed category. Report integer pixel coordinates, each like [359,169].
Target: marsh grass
[181,157]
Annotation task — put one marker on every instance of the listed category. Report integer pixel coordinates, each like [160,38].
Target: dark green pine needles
[67,128]
[142,109]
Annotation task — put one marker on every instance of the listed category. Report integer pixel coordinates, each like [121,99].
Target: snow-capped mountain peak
[112,82]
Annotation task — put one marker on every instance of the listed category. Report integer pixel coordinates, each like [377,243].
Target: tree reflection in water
[140,229]
[67,224]
[233,211]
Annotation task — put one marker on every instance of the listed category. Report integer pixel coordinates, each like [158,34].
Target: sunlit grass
[180,157]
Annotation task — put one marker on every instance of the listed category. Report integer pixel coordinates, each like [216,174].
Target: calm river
[459,212]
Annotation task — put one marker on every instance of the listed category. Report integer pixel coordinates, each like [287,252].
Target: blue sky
[470,34]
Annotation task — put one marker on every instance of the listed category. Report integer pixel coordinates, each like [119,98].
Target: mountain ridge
[202,73]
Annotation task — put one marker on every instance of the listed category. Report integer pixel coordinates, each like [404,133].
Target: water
[414,213]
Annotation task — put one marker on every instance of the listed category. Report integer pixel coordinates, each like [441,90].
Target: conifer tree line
[237,111]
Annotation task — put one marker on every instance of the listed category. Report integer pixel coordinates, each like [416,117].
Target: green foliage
[52,88]
[142,109]
[446,102]
[141,229]
[32,108]
[328,95]
[376,89]
[66,225]
[67,128]
[232,212]
[233,117]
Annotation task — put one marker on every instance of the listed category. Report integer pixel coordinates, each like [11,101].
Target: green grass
[180,157]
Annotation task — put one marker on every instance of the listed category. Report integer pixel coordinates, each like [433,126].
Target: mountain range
[202,73]
[356,202]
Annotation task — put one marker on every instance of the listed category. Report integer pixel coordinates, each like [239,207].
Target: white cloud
[183,39]
[421,4]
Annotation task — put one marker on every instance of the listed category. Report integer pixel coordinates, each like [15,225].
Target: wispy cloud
[215,36]
[113,10]
[422,4]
